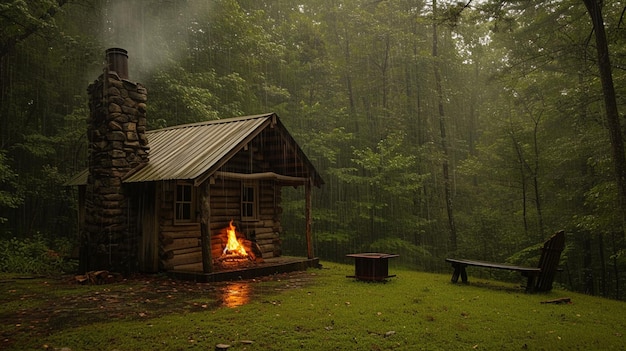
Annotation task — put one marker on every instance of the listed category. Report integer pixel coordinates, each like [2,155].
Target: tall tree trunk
[616,270]
[384,70]
[588,282]
[602,265]
[444,142]
[535,174]
[349,77]
[610,102]
[522,168]
[472,122]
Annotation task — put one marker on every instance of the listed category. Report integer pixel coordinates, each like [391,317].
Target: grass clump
[312,310]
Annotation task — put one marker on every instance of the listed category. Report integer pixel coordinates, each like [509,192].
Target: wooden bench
[540,278]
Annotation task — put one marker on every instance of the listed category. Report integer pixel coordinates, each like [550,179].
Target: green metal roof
[195,151]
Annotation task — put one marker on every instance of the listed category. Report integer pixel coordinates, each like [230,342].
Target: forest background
[441,128]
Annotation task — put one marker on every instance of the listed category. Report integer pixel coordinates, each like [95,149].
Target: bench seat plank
[493,265]
[539,278]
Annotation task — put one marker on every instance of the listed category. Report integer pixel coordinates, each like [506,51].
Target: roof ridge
[214,121]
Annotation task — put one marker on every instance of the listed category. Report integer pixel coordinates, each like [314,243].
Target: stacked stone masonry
[117,144]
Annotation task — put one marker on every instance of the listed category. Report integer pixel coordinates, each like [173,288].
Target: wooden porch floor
[269,266]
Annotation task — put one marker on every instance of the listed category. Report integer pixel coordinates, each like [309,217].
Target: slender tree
[594,9]
[447,182]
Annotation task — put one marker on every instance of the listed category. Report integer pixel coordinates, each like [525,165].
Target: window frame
[247,204]
[179,217]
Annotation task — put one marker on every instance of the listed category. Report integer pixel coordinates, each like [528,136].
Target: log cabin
[164,200]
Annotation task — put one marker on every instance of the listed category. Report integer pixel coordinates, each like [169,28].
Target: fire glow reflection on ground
[235,294]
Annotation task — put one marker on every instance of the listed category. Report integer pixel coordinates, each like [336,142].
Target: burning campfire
[234,246]
[237,250]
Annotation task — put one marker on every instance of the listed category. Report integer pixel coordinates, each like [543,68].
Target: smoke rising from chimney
[152,32]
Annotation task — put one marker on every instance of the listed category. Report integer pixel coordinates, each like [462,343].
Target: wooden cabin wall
[179,243]
[225,206]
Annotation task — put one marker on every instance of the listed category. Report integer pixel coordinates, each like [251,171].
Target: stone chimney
[117,145]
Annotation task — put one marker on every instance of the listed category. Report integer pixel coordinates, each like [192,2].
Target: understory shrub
[35,255]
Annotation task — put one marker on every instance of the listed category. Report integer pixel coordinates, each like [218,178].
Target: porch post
[205,231]
[307,218]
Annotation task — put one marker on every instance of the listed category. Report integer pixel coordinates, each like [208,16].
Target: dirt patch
[46,306]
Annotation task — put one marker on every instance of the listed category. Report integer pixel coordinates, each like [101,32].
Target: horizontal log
[182,243]
[224,192]
[173,253]
[225,212]
[168,237]
[252,224]
[267,216]
[181,233]
[167,215]
[192,267]
[192,257]
[221,219]
[181,227]
[215,205]
[266,243]
[217,227]
[268,254]
[261,176]
[269,223]
[266,247]
[236,197]
[267,236]
[187,250]
[263,230]
[268,211]
[267,192]
[234,202]
[224,183]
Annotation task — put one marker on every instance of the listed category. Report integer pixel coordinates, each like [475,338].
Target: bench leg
[459,270]
[530,285]
[455,274]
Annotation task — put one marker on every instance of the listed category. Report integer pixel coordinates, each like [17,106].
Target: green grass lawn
[312,310]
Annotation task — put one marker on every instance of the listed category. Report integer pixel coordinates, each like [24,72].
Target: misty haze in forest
[473,129]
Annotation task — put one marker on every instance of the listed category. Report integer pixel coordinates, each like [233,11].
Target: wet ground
[43,306]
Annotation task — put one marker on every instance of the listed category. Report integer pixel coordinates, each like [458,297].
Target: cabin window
[183,205]
[249,201]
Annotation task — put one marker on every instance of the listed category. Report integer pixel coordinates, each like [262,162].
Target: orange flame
[234,246]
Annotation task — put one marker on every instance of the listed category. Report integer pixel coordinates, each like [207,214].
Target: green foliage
[9,197]
[336,237]
[401,247]
[35,256]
